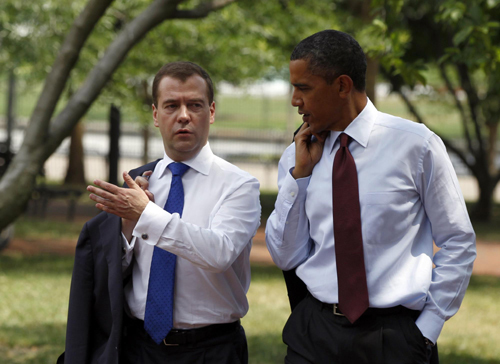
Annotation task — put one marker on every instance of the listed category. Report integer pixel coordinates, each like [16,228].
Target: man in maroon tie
[362,196]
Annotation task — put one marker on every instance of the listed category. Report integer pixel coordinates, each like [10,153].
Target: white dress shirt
[409,196]
[212,241]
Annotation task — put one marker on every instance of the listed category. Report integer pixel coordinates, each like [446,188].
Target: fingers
[106,186]
[150,196]
[100,193]
[129,181]
[321,136]
[142,182]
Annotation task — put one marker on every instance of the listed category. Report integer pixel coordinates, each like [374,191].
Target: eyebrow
[169,101]
[299,84]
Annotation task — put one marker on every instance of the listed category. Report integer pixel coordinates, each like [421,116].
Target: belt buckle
[165,343]
[336,311]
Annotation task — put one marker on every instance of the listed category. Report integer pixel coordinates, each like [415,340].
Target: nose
[184,114]
[296,100]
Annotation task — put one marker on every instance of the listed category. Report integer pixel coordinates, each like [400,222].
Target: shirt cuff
[430,325]
[151,224]
[126,245]
[293,189]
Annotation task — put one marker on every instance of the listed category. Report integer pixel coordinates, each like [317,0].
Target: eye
[196,105]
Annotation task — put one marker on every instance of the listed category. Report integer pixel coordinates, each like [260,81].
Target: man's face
[184,116]
[316,100]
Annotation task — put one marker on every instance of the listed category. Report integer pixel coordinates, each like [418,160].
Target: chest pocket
[384,217]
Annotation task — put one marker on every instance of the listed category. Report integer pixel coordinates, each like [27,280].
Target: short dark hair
[182,70]
[331,53]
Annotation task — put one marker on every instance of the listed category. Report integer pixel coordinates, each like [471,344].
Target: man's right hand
[143,182]
[308,151]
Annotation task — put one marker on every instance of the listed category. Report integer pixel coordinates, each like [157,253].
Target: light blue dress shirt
[409,196]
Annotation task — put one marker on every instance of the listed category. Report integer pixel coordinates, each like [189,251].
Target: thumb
[129,181]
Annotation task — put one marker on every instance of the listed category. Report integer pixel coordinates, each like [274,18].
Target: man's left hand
[127,203]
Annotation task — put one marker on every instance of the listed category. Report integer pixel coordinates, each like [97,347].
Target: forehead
[194,87]
[300,73]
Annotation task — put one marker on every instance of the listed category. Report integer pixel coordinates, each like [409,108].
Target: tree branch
[473,101]
[458,105]
[59,75]
[203,9]
[132,33]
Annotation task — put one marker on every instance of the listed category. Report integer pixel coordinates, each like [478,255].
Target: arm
[287,229]
[452,233]
[214,248]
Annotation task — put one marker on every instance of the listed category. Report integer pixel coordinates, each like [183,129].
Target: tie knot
[178,169]
[344,139]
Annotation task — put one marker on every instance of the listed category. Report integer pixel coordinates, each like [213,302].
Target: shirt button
[145,236]
[292,194]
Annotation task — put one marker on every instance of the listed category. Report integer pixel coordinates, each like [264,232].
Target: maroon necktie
[351,274]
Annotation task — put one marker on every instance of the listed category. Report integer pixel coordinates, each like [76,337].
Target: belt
[183,337]
[370,311]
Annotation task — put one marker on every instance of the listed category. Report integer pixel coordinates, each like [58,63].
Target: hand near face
[127,203]
[308,151]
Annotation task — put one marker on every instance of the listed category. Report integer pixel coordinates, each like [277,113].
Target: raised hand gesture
[308,151]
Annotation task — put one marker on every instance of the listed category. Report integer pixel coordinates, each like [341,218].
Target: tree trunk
[145,145]
[114,144]
[11,106]
[482,208]
[75,174]
[371,78]
[492,147]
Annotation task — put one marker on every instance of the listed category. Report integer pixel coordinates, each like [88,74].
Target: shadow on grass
[464,359]
[484,283]
[31,344]
[266,272]
[266,349]
[40,264]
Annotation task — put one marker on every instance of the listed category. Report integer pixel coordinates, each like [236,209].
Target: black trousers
[315,335]
[139,348]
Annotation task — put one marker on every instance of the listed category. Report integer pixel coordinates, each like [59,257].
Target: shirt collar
[359,129]
[201,163]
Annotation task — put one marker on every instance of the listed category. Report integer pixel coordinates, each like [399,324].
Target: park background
[65,90]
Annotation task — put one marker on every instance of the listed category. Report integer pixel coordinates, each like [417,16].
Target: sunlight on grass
[33,313]
[474,333]
[35,292]
[269,310]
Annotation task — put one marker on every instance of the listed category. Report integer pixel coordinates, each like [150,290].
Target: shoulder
[402,127]
[147,167]
[230,172]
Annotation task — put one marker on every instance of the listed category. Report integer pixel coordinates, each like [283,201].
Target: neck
[353,107]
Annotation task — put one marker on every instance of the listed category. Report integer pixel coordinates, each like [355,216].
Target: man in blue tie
[181,237]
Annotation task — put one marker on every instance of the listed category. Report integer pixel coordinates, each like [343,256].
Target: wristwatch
[428,342]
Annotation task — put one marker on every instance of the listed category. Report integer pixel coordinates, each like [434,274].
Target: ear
[212,112]
[155,115]
[346,86]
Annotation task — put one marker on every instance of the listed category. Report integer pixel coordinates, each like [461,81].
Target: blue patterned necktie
[158,317]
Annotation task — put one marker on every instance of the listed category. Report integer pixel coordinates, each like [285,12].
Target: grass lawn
[35,290]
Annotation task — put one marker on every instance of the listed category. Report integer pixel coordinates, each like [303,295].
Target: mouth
[305,115]
[183,132]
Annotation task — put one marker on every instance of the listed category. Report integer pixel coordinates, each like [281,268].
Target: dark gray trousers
[315,335]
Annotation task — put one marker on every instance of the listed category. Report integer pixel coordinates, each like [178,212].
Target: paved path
[487,262]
